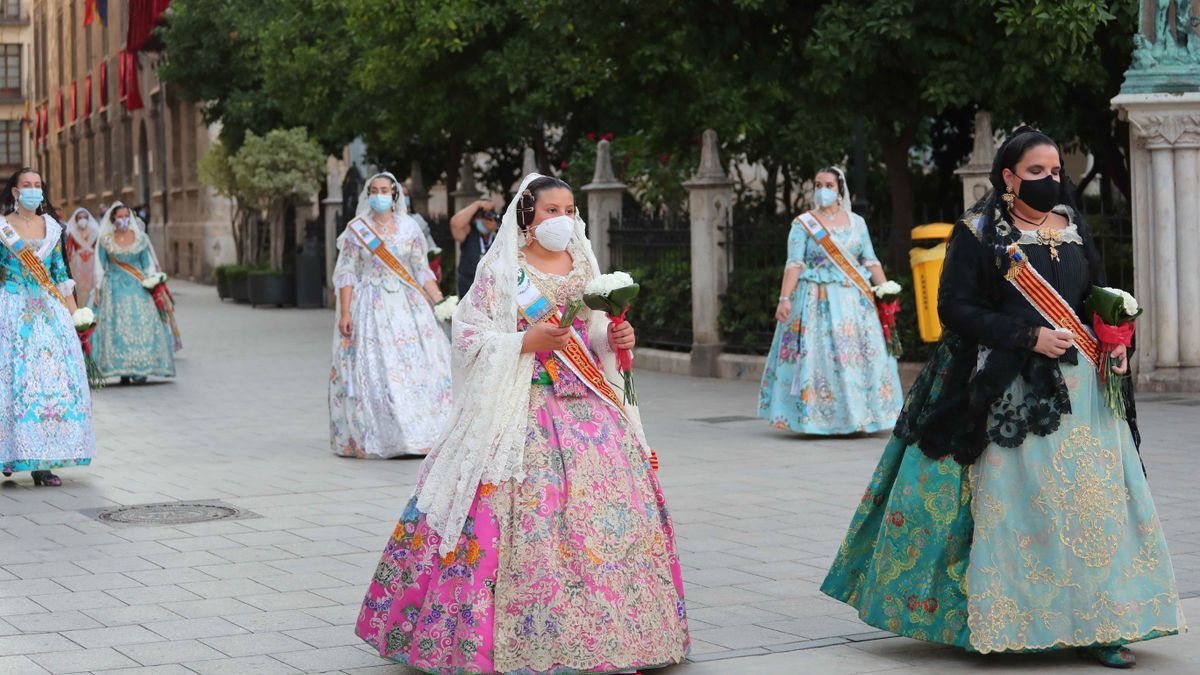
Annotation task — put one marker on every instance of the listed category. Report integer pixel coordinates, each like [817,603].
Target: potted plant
[238,278]
[223,288]
[272,287]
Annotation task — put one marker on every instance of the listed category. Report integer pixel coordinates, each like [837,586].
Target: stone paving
[759,514]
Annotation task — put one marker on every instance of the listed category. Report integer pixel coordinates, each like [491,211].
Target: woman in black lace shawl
[1010,511]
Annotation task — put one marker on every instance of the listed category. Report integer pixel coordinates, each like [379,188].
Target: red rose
[608,136]
[897,519]
[931,605]
[591,135]
[663,159]
[563,165]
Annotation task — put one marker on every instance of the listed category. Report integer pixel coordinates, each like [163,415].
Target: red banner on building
[61,113]
[74,101]
[103,84]
[87,96]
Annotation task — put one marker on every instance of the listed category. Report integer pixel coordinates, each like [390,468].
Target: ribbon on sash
[29,260]
[535,308]
[374,243]
[1053,308]
[821,236]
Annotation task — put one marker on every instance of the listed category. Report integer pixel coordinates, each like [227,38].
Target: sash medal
[373,243]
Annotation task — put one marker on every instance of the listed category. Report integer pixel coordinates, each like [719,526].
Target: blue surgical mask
[825,197]
[30,198]
[380,203]
[481,226]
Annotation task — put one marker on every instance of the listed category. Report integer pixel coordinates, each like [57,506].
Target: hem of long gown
[137,373]
[818,430]
[22,465]
[402,455]
[558,670]
[1160,631]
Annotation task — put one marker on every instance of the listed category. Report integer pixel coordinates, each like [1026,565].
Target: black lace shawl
[960,401]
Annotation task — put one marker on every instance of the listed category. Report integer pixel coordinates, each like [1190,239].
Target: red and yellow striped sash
[824,239]
[1053,308]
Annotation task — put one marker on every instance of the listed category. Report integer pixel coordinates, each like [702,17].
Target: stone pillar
[710,196]
[604,196]
[974,175]
[1165,165]
[334,170]
[417,191]
[466,192]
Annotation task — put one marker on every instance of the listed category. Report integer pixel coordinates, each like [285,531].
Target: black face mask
[1041,194]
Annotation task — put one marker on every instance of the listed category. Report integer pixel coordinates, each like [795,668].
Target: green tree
[282,168]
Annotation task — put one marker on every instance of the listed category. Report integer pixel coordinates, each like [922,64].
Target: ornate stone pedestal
[1164,133]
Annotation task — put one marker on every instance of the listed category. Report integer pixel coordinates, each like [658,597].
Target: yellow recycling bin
[927,272]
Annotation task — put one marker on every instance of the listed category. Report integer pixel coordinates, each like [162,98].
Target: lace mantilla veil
[484,440]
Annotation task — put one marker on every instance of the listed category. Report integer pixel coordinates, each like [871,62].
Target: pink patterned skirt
[572,570]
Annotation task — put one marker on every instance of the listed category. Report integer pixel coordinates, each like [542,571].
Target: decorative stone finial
[466,175]
[985,143]
[710,172]
[416,184]
[604,168]
[529,164]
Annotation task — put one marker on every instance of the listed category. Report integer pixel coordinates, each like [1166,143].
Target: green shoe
[1112,657]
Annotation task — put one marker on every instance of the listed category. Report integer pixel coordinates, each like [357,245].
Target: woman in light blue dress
[1010,511]
[45,403]
[829,371]
[132,341]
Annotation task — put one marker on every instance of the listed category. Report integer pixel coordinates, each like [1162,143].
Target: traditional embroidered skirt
[1052,544]
[573,569]
[45,403]
[829,371]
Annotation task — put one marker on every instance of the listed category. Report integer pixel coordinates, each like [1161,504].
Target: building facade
[16,58]
[101,133]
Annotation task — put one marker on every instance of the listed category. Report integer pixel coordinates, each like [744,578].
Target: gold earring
[1008,197]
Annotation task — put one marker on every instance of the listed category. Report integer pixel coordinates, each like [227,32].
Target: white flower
[1128,302]
[435,251]
[83,317]
[607,283]
[444,310]
[151,281]
[887,288]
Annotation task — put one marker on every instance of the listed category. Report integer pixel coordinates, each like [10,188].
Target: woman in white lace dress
[389,388]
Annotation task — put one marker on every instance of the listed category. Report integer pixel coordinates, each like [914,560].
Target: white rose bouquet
[887,296]
[1113,317]
[444,310]
[612,294]
[85,324]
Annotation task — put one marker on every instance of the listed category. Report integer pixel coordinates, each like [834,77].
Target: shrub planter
[223,288]
[272,288]
[238,280]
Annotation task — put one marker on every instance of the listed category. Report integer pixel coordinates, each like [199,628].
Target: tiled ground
[759,514]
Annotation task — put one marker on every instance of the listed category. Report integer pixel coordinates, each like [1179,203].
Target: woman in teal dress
[132,341]
[45,404]
[829,371]
[1010,511]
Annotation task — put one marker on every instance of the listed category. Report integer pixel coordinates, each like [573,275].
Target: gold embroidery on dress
[1085,498]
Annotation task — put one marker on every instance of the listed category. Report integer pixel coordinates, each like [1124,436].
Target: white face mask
[555,233]
[122,223]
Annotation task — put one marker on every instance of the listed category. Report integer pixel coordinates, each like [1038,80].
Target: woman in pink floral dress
[538,539]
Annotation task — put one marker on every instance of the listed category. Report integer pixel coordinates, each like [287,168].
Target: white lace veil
[93,229]
[844,196]
[107,227]
[484,441]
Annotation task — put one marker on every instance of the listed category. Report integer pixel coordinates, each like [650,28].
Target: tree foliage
[783,82]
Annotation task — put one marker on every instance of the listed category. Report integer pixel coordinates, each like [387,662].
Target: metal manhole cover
[170,513]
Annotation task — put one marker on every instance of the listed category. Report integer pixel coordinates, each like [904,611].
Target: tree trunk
[275,216]
[769,191]
[900,188]
[453,164]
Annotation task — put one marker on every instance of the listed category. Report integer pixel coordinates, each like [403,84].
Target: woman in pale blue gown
[131,341]
[1010,511]
[45,404]
[829,371]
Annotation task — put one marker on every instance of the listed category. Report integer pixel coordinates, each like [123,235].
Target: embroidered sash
[374,243]
[1053,308]
[824,239]
[29,260]
[535,307]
